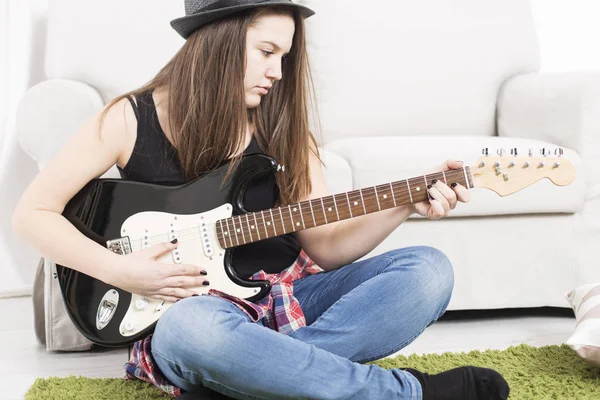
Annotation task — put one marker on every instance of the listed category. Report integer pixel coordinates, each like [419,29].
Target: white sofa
[402,86]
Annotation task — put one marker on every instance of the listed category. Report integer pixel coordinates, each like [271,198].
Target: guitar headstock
[507,174]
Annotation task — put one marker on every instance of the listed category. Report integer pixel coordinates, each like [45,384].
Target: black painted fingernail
[205,283]
[434,182]
[428,186]
[454,184]
[203,273]
[174,241]
[194,295]
[430,197]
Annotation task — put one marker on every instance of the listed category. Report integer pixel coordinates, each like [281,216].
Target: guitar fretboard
[252,227]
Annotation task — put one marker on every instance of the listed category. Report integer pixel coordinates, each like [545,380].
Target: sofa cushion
[405,67]
[108,44]
[379,160]
[585,340]
[394,67]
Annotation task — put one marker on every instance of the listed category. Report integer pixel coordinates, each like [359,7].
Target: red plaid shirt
[279,311]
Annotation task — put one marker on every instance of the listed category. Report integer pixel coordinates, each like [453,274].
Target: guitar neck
[260,225]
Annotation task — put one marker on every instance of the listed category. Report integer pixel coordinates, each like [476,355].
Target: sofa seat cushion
[377,160]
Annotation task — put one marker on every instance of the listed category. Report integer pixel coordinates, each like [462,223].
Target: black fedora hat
[202,12]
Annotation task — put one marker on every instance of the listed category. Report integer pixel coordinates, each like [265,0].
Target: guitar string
[328,201]
[196,231]
[401,198]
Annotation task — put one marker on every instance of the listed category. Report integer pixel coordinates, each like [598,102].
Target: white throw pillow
[585,341]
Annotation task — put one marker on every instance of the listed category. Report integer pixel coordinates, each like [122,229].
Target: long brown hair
[207,113]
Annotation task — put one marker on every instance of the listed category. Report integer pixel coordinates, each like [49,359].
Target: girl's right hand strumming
[142,274]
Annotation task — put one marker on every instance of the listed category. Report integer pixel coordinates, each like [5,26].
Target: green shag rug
[551,372]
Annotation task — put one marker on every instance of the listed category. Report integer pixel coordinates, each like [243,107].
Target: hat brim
[185,26]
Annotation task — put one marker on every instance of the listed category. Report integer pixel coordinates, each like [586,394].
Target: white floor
[22,360]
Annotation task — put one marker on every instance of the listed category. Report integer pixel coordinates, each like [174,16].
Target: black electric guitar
[208,218]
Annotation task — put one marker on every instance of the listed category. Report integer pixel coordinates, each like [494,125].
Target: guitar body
[129,216]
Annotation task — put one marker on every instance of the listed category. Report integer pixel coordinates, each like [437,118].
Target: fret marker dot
[385,196]
[418,189]
[329,209]
[356,203]
[297,223]
[251,226]
[238,231]
[295,209]
[225,233]
[268,223]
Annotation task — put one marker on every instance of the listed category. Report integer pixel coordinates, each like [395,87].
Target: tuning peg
[545,152]
[280,168]
[514,151]
[530,152]
[559,152]
[485,152]
[501,152]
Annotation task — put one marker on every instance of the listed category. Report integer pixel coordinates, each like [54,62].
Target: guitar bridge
[119,246]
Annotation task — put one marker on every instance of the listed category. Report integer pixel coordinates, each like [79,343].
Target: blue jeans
[358,313]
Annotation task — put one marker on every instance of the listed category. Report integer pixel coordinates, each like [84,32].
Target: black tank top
[155,160]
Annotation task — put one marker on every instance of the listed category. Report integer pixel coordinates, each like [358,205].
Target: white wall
[569,34]
[21,45]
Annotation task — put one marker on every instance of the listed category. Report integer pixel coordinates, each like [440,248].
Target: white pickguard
[198,245]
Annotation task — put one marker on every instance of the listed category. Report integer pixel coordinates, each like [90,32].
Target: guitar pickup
[207,245]
[176,254]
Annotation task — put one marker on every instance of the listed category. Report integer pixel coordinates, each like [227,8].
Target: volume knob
[141,303]
[129,326]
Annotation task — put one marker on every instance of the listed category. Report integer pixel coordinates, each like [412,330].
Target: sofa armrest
[50,113]
[561,108]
